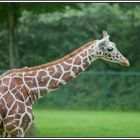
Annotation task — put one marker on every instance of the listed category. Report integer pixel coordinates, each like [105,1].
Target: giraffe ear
[104,41]
[106,35]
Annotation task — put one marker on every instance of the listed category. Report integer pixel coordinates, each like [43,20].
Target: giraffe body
[20,88]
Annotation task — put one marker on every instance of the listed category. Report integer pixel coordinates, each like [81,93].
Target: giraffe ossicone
[20,88]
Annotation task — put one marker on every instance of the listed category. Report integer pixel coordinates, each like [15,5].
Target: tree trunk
[11,25]
[13,50]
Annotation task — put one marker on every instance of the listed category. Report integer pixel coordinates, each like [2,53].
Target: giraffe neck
[46,78]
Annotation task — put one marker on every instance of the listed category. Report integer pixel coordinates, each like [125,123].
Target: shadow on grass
[33,131]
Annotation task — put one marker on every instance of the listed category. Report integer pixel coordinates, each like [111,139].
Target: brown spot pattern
[69,61]
[21,107]
[74,69]
[34,78]
[57,74]
[24,123]
[31,82]
[41,74]
[43,81]
[30,73]
[51,70]
[13,109]
[83,54]
[67,77]
[52,84]
[19,95]
[6,81]
[9,99]
[65,66]
[85,65]
[77,61]
[3,89]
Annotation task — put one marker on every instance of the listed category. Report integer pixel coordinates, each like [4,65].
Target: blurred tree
[44,37]
[52,36]
[10,12]
[127,6]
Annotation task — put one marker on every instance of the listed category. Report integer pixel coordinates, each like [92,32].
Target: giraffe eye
[110,49]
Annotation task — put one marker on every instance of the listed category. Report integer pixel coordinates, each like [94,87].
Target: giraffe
[20,88]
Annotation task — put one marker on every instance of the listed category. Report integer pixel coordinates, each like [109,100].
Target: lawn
[73,123]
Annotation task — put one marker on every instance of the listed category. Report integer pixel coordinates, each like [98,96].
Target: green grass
[69,123]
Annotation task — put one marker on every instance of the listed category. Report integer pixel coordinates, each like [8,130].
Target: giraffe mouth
[125,63]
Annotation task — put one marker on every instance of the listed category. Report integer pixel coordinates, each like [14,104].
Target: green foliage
[43,37]
[10,13]
[63,32]
[35,8]
[101,92]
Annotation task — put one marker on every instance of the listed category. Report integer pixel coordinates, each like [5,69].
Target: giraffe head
[106,50]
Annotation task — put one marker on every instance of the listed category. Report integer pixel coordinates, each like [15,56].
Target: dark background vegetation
[36,33]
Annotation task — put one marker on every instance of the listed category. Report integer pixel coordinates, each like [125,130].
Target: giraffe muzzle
[125,62]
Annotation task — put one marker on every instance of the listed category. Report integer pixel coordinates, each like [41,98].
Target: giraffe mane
[26,69]
[12,71]
[67,56]
[61,59]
